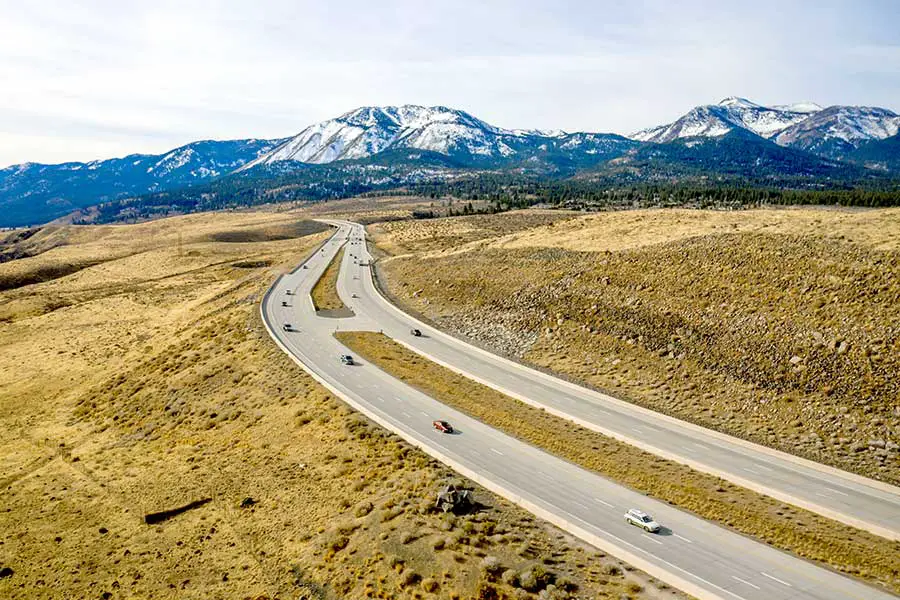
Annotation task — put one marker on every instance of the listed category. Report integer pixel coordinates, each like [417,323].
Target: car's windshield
[646,519]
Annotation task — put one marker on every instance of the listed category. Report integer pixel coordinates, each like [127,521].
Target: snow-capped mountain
[33,192]
[838,130]
[714,120]
[832,132]
[370,130]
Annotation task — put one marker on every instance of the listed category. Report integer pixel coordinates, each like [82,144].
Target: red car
[442,426]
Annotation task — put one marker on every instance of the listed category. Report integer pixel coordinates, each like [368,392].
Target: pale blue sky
[96,79]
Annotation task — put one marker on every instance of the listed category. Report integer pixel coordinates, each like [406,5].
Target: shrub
[535,578]
[492,567]
[409,578]
[363,509]
[510,578]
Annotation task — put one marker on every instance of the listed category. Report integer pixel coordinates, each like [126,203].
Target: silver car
[642,520]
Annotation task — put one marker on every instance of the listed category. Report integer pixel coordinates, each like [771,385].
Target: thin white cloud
[104,78]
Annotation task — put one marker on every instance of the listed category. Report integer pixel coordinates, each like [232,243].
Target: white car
[642,519]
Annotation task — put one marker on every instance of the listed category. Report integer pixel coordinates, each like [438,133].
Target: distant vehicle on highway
[354,296]
[442,426]
[305,267]
[415,332]
[346,359]
[289,293]
[287,327]
[642,520]
[284,303]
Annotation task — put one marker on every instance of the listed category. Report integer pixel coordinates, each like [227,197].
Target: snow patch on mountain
[171,161]
[799,107]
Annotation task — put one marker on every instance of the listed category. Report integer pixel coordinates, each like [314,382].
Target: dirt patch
[811,536]
[40,273]
[281,231]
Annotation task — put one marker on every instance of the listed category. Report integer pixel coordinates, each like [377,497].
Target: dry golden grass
[147,381]
[811,536]
[371,210]
[614,231]
[431,235]
[324,293]
[783,333]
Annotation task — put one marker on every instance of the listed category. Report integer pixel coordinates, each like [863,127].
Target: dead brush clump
[814,537]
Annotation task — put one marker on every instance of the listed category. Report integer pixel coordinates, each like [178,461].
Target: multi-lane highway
[691,554]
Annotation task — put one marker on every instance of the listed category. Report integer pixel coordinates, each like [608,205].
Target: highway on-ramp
[696,556]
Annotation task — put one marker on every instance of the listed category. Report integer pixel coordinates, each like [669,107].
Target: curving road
[696,556]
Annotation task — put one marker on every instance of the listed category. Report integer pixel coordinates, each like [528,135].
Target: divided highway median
[324,293]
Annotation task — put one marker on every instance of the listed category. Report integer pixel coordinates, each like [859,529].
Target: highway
[698,557]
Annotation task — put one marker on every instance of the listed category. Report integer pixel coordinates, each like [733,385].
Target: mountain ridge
[831,132]
[438,141]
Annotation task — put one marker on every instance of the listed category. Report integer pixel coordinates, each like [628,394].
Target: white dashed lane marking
[775,579]
[753,585]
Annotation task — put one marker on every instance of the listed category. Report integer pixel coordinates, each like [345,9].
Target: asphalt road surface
[698,557]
